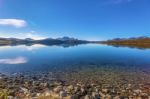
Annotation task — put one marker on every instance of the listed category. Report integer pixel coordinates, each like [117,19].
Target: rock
[116,97]
[134,94]
[58,83]
[25,90]
[139,97]
[108,96]
[74,97]
[82,90]
[123,91]
[95,95]
[70,87]
[104,90]
[43,84]
[54,95]
[58,89]
[130,97]
[1,77]
[47,93]
[96,90]
[77,88]
[10,97]
[87,97]
[101,94]
[38,94]
[33,94]
[137,91]
[144,95]
[62,94]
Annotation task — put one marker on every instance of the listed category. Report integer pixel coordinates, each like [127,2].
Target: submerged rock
[63,94]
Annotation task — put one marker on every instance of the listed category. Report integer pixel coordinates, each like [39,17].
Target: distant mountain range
[139,42]
[47,41]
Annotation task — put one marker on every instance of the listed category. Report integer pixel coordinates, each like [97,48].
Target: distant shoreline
[139,42]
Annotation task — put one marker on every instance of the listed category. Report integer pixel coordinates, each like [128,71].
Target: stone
[58,89]
[82,90]
[87,97]
[105,90]
[139,97]
[137,91]
[77,88]
[70,87]
[10,97]
[108,96]
[101,94]
[47,93]
[62,94]
[95,95]
[38,94]
[25,90]
[1,77]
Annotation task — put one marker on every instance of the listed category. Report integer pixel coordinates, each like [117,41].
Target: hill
[139,42]
[48,41]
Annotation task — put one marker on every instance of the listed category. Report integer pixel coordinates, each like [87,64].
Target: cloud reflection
[34,47]
[17,60]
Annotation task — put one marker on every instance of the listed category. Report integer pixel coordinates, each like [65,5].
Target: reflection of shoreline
[35,46]
[64,45]
[146,46]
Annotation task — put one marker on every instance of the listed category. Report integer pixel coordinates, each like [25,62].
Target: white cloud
[17,60]
[18,23]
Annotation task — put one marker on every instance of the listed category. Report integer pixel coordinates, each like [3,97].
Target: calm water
[38,58]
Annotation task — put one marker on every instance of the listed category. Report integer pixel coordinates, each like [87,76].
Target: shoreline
[78,85]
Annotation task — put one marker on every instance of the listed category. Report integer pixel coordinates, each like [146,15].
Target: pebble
[58,89]
[10,97]
[22,87]
[63,94]
[87,97]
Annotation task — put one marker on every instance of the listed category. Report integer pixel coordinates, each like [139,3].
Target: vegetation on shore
[140,42]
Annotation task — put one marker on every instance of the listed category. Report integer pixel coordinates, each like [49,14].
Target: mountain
[63,40]
[66,38]
[48,41]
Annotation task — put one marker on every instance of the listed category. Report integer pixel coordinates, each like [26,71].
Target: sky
[82,19]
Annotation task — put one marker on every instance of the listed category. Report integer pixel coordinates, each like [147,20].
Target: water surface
[55,58]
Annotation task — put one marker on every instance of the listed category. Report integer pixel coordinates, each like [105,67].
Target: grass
[3,94]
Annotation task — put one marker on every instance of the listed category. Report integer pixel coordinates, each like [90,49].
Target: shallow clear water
[37,58]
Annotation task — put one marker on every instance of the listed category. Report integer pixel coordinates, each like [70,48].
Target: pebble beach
[89,84]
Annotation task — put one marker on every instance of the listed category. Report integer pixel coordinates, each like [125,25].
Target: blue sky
[83,19]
